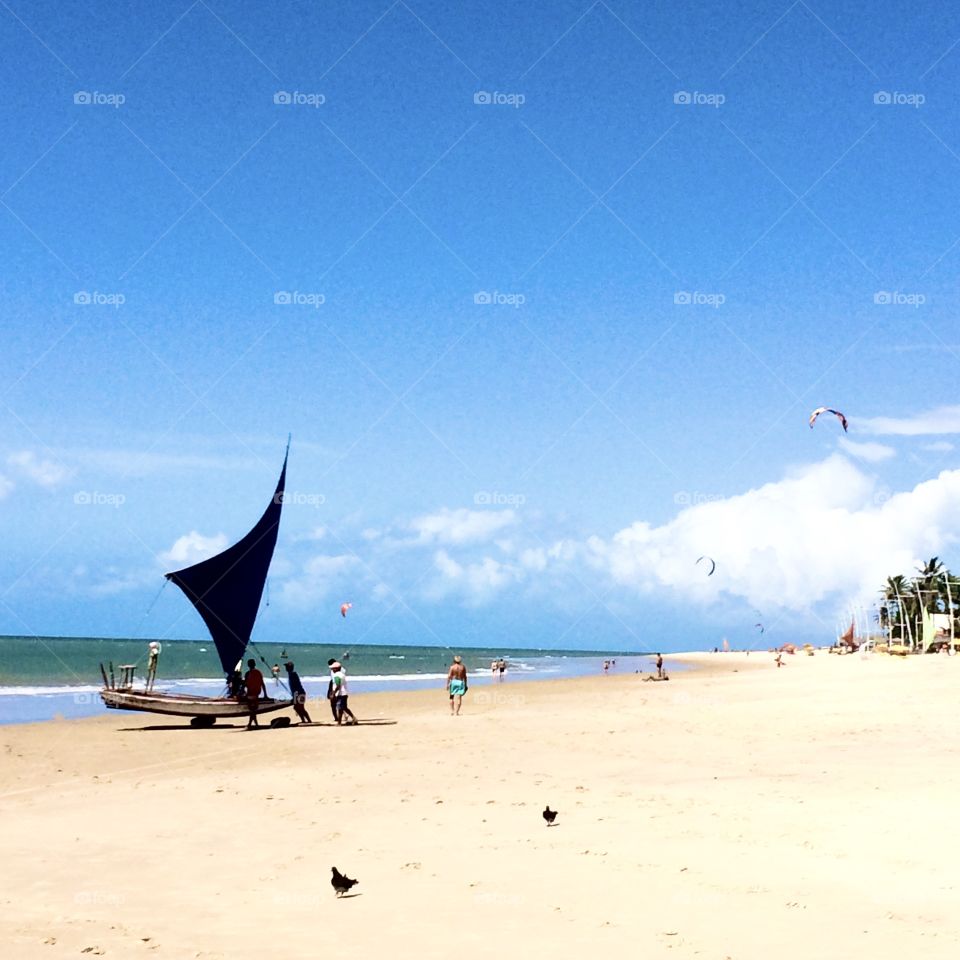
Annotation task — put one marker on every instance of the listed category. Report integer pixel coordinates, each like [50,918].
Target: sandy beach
[738,811]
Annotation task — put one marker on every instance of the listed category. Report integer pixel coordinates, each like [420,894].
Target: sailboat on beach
[225,590]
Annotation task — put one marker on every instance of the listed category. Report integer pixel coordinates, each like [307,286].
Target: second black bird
[340,883]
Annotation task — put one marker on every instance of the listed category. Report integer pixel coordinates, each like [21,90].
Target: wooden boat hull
[184,705]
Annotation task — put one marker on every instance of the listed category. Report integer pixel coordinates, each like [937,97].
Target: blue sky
[541,350]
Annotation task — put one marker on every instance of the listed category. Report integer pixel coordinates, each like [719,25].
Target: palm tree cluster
[933,589]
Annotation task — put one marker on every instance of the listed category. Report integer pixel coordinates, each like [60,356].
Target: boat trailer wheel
[202,721]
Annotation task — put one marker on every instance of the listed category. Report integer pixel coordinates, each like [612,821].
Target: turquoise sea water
[43,677]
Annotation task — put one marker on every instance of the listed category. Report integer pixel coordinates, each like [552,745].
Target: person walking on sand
[339,682]
[456,685]
[659,667]
[297,692]
[255,687]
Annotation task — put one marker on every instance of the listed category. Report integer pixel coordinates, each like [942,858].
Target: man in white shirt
[338,681]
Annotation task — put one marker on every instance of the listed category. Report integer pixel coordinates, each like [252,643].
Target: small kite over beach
[710,560]
[816,413]
[344,607]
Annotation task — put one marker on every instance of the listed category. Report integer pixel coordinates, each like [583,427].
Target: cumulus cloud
[476,581]
[826,530]
[46,473]
[461,526]
[941,420]
[192,548]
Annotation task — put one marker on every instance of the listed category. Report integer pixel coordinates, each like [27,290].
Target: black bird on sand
[340,883]
[549,815]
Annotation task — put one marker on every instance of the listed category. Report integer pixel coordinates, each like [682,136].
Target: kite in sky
[344,607]
[713,565]
[760,625]
[816,413]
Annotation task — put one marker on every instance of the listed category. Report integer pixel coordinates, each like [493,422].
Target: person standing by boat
[153,655]
[339,682]
[297,692]
[456,685]
[255,688]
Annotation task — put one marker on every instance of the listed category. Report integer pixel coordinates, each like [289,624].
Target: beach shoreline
[737,810]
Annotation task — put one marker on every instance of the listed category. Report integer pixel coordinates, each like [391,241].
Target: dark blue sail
[226,589]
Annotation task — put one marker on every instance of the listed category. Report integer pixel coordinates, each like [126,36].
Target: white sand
[737,811]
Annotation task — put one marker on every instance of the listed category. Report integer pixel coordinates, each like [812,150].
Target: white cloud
[319,578]
[44,472]
[192,548]
[825,531]
[938,446]
[941,420]
[870,452]
[476,581]
[461,526]
[6,486]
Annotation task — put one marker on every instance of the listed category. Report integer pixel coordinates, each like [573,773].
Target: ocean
[46,677]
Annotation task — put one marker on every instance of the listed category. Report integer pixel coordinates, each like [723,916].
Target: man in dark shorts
[255,689]
[297,692]
[659,667]
[340,694]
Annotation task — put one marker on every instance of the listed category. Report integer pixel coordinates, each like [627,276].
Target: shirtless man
[456,685]
[255,687]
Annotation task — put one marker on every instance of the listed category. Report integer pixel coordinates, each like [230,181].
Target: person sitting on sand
[456,685]
[297,692]
[255,688]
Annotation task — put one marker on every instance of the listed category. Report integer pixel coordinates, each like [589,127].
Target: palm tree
[898,592]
